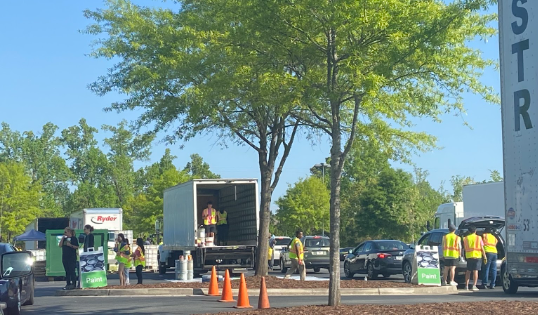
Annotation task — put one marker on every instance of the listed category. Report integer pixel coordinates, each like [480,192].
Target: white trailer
[518,26]
[182,219]
[479,200]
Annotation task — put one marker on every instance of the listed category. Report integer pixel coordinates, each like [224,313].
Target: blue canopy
[31,235]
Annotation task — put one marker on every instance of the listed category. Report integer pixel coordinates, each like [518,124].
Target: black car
[17,279]
[434,238]
[374,258]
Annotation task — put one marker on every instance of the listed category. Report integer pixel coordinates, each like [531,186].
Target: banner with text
[426,266]
[92,270]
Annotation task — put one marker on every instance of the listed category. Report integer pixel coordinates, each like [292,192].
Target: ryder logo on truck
[102,219]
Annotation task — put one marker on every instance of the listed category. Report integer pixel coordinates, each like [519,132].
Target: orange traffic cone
[227,295]
[263,301]
[242,299]
[213,284]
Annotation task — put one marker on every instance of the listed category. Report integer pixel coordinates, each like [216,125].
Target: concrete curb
[255,292]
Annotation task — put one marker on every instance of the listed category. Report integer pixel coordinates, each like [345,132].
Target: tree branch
[287,148]
[352,133]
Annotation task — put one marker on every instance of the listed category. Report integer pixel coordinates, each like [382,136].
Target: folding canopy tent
[31,235]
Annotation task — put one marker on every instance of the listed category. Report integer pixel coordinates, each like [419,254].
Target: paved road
[46,303]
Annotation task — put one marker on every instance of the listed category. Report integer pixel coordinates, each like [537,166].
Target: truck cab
[448,212]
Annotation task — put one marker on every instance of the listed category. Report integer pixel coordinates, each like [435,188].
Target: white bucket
[209,241]
[201,233]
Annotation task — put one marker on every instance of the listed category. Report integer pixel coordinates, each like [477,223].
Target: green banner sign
[428,276]
[95,279]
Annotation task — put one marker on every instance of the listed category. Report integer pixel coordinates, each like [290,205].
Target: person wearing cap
[451,254]
[490,247]
[474,253]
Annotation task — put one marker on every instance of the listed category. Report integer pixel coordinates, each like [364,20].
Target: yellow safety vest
[293,249]
[472,246]
[490,243]
[123,258]
[211,217]
[223,218]
[140,260]
[451,247]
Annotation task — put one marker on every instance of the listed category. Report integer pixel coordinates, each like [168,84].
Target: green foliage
[19,200]
[304,206]
[69,172]
[198,169]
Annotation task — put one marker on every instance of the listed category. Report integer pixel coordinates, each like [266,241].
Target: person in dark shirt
[89,240]
[69,245]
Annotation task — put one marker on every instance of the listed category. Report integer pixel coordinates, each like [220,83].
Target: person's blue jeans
[490,267]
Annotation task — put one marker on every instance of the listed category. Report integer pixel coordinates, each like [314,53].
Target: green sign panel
[428,276]
[95,279]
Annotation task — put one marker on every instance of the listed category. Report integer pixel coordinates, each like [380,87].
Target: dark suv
[435,238]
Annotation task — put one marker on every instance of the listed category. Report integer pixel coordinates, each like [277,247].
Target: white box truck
[182,220]
[479,200]
[110,219]
[518,26]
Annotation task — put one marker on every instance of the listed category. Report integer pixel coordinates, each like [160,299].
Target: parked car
[281,243]
[374,258]
[316,254]
[344,252]
[16,279]
[435,238]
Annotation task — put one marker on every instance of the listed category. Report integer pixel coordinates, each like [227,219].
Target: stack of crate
[151,257]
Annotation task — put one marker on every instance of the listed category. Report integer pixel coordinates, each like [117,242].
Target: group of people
[216,221]
[478,250]
[70,255]
[70,258]
[126,258]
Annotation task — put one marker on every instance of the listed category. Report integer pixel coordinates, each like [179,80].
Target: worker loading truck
[194,216]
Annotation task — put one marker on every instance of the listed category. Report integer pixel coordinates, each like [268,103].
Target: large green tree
[197,70]
[366,68]
[90,169]
[305,205]
[19,200]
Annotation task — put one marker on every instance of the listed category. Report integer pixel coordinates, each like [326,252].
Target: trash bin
[54,266]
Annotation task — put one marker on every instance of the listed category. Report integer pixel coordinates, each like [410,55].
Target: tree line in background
[379,201]
[54,173]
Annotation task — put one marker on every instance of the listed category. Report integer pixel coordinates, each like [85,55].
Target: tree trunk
[265,217]
[336,173]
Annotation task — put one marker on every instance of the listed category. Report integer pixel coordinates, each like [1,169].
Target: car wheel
[372,274]
[31,299]
[317,269]
[15,307]
[407,271]
[347,271]
[509,285]
[283,268]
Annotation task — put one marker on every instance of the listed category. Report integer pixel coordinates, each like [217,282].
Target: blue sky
[45,70]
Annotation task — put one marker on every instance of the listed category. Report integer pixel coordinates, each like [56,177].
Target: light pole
[323,166]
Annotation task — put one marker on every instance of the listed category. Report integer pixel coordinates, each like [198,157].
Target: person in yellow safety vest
[451,254]
[123,251]
[474,253]
[297,256]
[209,215]
[222,226]
[139,259]
[490,247]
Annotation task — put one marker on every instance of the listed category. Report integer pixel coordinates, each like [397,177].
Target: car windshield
[316,242]
[391,245]
[282,241]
